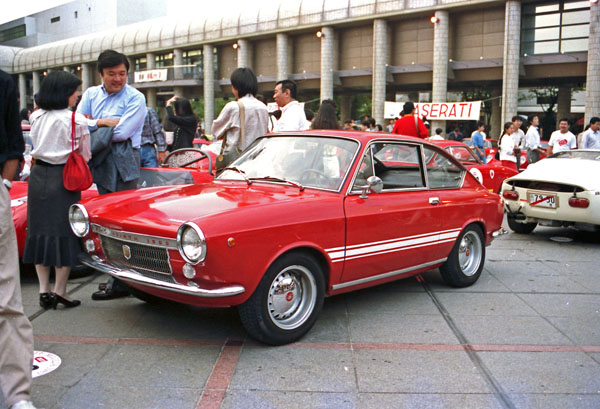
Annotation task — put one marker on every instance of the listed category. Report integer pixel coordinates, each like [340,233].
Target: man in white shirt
[591,137]
[562,140]
[519,137]
[292,113]
[532,139]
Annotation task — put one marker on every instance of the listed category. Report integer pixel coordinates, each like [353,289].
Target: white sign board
[151,75]
[43,363]
[441,111]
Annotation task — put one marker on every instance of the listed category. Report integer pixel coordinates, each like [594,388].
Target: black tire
[521,228]
[286,302]
[150,299]
[465,262]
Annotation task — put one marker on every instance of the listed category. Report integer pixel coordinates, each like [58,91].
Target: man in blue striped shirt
[114,103]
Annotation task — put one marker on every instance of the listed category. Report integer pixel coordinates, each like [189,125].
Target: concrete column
[592,89]
[379,69]
[178,62]
[327,59]
[209,87]
[151,98]
[563,103]
[510,72]
[36,82]
[150,61]
[345,108]
[496,119]
[282,57]
[243,53]
[22,91]
[179,91]
[439,91]
[85,77]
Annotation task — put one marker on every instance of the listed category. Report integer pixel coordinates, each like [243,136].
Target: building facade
[428,50]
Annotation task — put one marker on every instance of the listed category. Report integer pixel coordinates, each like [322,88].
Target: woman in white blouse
[227,127]
[507,147]
[50,241]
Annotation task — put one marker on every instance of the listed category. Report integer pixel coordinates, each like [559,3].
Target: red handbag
[76,174]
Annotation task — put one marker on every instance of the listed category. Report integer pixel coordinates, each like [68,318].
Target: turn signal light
[511,195]
[579,202]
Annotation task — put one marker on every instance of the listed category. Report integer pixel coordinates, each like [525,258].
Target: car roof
[361,136]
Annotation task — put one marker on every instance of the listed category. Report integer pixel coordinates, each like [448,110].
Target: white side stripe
[338,254]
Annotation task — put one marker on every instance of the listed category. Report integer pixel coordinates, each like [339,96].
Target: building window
[12,33]
[164,60]
[55,19]
[555,27]
[192,63]
[140,64]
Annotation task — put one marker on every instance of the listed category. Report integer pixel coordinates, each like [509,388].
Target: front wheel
[287,301]
[465,262]
[521,228]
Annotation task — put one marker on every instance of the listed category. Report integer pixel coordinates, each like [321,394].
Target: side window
[441,171]
[397,165]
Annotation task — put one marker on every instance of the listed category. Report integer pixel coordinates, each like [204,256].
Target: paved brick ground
[527,335]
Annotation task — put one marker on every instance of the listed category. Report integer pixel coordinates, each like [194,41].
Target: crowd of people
[137,138]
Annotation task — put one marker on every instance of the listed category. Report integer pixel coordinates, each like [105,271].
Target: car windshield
[312,161]
[577,154]
[462,154]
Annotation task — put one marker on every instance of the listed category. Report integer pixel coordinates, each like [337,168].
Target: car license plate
[542,200]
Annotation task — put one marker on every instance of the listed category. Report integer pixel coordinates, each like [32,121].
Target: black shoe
[45,301]
[109,294]
[57,299]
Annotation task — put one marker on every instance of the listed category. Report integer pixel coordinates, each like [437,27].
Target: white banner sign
[442,111]
[151,75]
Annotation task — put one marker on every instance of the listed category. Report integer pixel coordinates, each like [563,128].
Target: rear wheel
[521,228]
[465,262]
[287,301]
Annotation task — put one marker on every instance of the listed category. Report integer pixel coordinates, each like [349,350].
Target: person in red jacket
[410,124]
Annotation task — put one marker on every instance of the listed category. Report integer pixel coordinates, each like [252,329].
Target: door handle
[434,200]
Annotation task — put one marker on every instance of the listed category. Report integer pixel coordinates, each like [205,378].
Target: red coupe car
[297,217]
[490,175]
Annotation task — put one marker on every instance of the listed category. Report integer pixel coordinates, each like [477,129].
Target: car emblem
[126,252]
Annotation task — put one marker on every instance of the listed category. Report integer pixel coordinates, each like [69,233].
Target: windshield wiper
[274,179]
[241,172]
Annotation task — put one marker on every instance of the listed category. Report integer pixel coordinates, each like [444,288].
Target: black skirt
[50,240]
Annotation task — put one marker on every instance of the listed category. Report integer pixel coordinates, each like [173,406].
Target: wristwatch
[7,183]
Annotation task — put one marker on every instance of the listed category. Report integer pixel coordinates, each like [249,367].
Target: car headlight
[79,220]
[191,243]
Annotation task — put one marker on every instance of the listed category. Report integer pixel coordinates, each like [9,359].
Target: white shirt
[507,146]
[256,119]
[292,118]
[562,141]
[519,138]
[532,138]
[590,139]
[51,135]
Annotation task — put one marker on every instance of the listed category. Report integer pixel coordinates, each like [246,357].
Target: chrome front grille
[149,261]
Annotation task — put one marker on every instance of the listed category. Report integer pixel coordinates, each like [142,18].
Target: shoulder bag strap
[73,132]
[242,143]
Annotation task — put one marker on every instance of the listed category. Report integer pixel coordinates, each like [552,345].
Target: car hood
[578,172]
[168,206]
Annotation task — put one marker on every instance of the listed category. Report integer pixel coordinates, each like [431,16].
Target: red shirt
[406,126]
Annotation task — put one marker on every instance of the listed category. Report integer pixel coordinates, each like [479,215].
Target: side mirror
[374,184]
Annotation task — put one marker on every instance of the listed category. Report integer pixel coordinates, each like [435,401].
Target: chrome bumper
[500,232]
[131,276]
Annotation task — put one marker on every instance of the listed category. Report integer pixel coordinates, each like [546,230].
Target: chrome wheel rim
[292,297]
[470,252]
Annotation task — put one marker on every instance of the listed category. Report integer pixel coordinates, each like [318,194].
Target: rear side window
[442,172]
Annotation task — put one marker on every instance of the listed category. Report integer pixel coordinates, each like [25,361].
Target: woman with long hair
[245,109]
[326,117]
[508,146]
[50,241]
[180,113]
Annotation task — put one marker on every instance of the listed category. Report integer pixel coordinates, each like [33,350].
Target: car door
[396,230]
